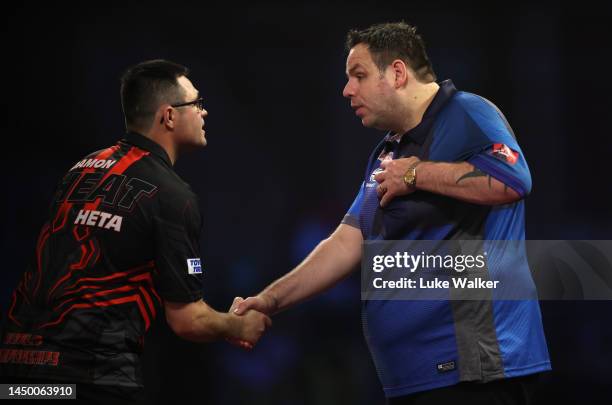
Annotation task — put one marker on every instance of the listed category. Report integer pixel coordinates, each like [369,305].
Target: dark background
[286,155]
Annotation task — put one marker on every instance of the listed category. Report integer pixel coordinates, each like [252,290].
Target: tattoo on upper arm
[474,173]
[479,173]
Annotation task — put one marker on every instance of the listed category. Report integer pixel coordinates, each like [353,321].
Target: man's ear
[167,116]
[401,72]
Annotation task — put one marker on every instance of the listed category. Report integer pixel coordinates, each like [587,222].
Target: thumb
[236,301]
[243,306]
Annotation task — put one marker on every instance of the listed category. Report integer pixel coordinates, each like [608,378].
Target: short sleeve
[178,273]
[506,163]
[352,216]
[474,130]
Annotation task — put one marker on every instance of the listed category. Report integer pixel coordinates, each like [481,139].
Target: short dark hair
[146,86]
[390,41]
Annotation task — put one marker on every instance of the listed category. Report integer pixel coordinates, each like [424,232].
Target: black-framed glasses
[199,104]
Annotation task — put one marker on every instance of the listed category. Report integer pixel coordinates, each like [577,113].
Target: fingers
[255,325]
[381,190]
[391,179]
[380,176]
[243,344]
[254,320]
[259,323]
[388,196]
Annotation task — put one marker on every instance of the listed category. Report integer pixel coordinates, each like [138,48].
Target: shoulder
[155,171]
[474,113]
[469,105]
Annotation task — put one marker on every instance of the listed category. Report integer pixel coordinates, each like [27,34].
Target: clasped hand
[251,325]
[391,179]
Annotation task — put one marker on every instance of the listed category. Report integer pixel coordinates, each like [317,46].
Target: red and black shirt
[122,236]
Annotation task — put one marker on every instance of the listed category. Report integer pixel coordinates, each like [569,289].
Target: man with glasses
[121,246]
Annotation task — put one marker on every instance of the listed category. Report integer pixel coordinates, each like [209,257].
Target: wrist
[421,173]
[410,176]
[270,302]
[233,326]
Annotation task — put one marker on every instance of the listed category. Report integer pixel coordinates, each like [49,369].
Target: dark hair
[390,41]
[146,86]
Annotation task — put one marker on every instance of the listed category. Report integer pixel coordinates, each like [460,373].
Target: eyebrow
[351,70]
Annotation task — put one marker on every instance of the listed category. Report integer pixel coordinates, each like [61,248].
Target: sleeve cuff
[486,166]
[351,220]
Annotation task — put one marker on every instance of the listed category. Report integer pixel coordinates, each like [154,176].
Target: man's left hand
[391,180]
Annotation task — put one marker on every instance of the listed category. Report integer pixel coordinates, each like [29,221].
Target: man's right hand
[262,303]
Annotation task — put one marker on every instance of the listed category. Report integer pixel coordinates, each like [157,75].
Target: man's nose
[204,113]
[348,91]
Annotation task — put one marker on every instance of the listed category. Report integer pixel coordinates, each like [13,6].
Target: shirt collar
[141,141]
[418,134]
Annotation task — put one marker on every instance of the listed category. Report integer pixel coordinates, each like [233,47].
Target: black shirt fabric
[122,236]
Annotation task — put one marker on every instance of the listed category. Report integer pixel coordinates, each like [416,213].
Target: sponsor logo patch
[503,152]
[445,367]
[194,266]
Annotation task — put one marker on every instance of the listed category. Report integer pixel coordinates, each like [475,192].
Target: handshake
[251,317]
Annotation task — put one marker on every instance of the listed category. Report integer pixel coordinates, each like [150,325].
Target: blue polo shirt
[422,345]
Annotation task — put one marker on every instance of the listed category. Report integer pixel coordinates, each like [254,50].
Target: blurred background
[286,155]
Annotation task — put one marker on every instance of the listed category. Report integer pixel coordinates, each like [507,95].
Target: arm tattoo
[475,173]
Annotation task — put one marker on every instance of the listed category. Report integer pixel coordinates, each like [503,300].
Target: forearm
[330,262]
[204,324]
[464,182]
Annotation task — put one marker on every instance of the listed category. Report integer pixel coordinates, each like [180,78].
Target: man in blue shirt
[449,168]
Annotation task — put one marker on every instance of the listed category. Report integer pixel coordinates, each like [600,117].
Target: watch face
[410,177]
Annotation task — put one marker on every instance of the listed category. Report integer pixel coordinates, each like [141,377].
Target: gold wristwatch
[410,176]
